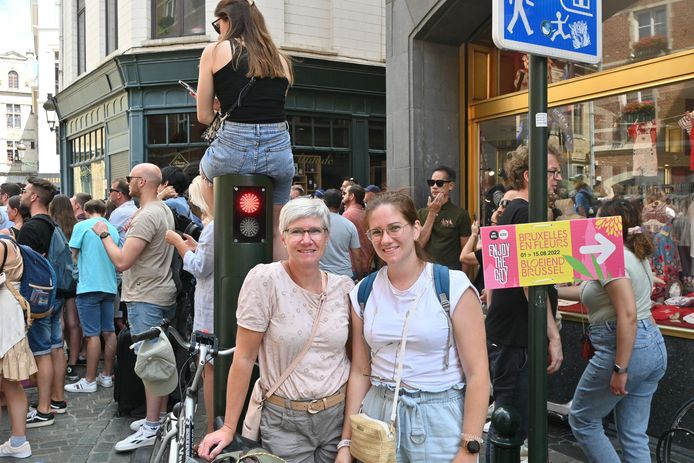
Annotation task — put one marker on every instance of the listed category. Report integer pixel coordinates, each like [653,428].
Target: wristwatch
[103,235]
[472,444]
[619,370]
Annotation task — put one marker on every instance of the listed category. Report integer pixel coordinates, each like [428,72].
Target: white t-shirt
[271,303]
[424,365]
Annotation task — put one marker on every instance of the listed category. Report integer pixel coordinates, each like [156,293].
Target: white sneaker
[104,381]
[81,386]
[23,451]
[135,425]
[140,438]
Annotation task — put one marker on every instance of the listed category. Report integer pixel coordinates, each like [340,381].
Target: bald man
[148,287]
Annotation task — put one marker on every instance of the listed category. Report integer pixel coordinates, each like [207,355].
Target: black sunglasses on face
[504,203]
[438,183]
[129,178]
[215,25]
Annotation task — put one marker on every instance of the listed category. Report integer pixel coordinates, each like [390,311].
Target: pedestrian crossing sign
[565,29]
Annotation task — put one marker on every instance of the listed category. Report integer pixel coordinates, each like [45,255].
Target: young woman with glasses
[445,379]
[244,66]
[277,308]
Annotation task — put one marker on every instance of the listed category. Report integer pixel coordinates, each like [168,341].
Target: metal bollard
[506,442]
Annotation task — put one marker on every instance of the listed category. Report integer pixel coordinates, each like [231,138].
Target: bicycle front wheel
[677,444]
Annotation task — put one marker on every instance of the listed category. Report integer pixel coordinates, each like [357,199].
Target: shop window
[14,116]
[87,147]
[340,131]
[320,132]
[111,32]
[13,79]
[377,135]
[175,139]
[302,130]
[171,18]
[631,148]
[81,37]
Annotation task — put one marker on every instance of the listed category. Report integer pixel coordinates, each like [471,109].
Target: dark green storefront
[132,110]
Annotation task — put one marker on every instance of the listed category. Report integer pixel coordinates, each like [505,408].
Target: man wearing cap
[445,226]
[343,241]
[148,289]
[371,191]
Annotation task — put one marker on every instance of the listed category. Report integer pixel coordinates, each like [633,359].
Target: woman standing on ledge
[244,74]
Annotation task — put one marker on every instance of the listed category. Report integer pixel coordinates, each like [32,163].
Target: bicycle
[174,440]
[680,436]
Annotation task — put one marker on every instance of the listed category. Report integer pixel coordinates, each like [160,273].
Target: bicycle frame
[178,437]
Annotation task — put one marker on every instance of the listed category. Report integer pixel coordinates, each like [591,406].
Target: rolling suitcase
[128,391]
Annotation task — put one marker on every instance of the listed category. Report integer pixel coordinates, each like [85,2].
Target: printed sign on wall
[552,252]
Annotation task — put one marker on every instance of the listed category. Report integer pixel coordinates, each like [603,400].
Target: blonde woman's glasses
[394,230]
[297,233]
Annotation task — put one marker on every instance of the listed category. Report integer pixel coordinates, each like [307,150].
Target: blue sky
[15,31]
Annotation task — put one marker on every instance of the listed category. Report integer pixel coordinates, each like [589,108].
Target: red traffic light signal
[249,214]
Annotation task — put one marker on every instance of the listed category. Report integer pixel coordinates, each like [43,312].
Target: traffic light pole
[537,295]
[242,203]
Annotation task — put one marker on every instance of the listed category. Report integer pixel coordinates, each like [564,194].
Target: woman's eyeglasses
[298,233]
[393,230]
[215,25]
[438,183]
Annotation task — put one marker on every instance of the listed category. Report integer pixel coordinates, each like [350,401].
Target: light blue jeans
[594,400]
[253,149]
[428,423]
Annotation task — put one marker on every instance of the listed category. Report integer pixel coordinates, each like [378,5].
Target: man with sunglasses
[445,226]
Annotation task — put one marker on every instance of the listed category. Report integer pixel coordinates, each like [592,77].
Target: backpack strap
[4,256]
[365,291]
[442,284]
[46,219]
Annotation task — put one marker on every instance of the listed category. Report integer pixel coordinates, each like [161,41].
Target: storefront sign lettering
[552,252]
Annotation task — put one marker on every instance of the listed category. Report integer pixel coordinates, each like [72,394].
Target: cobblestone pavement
[85,434]
[90,429]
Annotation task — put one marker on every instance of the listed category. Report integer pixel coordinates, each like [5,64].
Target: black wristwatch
[619,370]
[472,445]
[104,235]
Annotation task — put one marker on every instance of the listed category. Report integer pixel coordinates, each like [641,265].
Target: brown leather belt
[310,406]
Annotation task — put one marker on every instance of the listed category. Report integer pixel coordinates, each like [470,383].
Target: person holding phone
[245,69]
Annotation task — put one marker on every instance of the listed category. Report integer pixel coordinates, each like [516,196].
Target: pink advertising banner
[552,252]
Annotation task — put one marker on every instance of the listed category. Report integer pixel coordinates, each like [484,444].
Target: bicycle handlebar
[166,327]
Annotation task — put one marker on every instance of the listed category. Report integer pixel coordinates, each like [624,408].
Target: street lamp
[51,112]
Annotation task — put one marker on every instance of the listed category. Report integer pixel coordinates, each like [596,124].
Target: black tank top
[262,104]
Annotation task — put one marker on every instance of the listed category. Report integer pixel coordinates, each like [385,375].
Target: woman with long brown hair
[18,214]
[436,364]
[245,75]
[630,356]
[61,211]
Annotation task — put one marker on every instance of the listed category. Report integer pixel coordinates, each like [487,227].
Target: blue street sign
[566,29]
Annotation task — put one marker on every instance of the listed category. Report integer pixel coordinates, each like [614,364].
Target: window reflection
[626,145]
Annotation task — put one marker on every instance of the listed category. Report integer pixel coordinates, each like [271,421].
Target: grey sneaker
[104,381]
[23,451]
